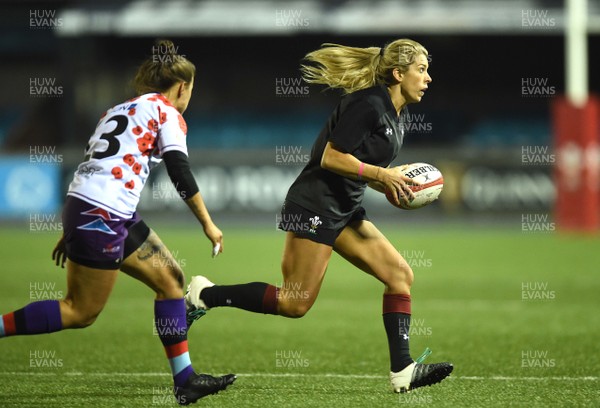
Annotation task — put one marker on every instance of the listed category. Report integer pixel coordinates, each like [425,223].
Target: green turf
[468,307]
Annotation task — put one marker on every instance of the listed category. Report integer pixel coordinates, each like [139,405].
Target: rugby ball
[431,186]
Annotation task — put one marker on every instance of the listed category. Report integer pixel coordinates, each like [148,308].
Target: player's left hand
[215,236]
[59,254]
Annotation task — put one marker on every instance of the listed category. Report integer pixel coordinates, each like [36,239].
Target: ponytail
[352,68]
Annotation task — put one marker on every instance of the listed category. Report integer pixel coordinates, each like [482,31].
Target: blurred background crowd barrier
[485,121]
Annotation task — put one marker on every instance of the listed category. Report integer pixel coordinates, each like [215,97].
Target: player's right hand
[397,183]
[59,254]
[215,236]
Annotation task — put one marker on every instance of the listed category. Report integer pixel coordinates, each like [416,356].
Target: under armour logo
[405,336]
[388,131]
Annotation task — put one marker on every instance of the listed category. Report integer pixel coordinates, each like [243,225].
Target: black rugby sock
[257,297]
[396,320]
[397,326]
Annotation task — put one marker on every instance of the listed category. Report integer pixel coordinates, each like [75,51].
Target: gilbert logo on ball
[431,185]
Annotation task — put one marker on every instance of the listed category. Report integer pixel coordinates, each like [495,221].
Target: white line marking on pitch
[327,375]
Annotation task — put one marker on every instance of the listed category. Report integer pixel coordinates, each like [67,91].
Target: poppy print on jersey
[153,125]
[162,98]
[129,159]
[146,143]
[154,122]
[182,124]
[117,172]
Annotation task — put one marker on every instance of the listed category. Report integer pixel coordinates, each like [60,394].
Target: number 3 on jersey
[111,138]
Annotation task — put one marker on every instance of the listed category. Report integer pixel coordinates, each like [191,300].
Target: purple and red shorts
[97,238]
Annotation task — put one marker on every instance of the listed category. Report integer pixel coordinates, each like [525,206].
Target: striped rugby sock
[35,318]
[171,326]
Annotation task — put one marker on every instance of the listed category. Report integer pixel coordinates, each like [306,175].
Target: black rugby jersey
[364,124]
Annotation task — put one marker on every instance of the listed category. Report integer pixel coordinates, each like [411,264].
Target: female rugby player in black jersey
[359,141]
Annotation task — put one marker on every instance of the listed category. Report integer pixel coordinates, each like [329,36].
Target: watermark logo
[536,291]
[44,155]
[171,259]
[537,19]
[44,291]
[537,88]
[42,223]
[537,155]
[44,359]
[536,359]
[291,18]
[44,20]
[164,190]
[537,223]
[417,328]
[290,155]
[44,87]
[292,291]
[166,54]
[414,399]
[289,87]
[169,327]
[417,259]
[416,123]
[290,359]
[291,222]
[165,396]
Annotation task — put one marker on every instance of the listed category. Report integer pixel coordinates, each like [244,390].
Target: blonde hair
[353,69]
[163,69]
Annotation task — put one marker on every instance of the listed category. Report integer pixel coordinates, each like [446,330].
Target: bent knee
[83,319]
[400,274]
[170,283]
[76,315]
[294,310]
[405,272]
[171,287]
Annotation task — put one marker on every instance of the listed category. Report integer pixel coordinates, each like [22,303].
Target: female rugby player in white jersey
[103,233]
[360,140]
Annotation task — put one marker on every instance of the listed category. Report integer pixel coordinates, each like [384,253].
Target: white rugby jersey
[129,141]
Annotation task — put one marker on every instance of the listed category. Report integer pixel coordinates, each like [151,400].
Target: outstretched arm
[214,234]
[178,168]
